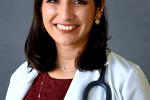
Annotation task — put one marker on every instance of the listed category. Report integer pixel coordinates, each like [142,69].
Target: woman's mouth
[66,28]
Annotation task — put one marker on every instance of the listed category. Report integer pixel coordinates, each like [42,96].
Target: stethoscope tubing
[100,82]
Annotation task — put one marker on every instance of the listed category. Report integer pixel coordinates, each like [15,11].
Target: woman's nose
[66,11]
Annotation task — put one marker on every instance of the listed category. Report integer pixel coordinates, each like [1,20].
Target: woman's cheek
[48,12]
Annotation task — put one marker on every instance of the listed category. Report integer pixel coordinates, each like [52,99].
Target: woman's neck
[65,63]
[66,56]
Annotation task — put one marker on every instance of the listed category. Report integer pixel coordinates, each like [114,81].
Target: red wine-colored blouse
[51,89]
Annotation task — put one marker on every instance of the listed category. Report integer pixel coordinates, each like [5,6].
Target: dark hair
[40,48]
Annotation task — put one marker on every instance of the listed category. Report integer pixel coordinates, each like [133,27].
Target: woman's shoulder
[127,78]
[22,68]
[123,68]
[22,71]
[21,81]
[121,64]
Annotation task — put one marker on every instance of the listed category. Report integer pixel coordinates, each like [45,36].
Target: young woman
[66,49]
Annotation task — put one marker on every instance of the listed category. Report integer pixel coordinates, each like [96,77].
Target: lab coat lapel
[20,85]
[79,82]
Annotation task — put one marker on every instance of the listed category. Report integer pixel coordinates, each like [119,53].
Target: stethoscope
[100,82]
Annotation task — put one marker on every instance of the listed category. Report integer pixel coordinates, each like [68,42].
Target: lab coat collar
[81,80]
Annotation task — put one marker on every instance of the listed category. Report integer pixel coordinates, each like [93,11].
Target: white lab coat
[126,80]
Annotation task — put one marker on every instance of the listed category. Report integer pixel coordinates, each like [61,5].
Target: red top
[52,89]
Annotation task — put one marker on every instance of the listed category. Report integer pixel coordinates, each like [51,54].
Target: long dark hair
[40,48]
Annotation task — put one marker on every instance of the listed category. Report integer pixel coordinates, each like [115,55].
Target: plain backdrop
[129,27]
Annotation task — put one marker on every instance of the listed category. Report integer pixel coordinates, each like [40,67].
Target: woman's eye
[80,2]
[52,1]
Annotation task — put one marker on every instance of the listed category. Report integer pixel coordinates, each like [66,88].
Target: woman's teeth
[66,28]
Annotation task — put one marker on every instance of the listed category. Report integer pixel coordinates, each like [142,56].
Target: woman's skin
[68,22]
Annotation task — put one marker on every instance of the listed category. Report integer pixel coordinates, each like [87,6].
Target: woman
[65,49]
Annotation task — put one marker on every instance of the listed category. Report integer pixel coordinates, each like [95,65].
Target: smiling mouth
[66,28]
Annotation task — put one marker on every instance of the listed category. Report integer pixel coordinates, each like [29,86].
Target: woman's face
[68,22]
